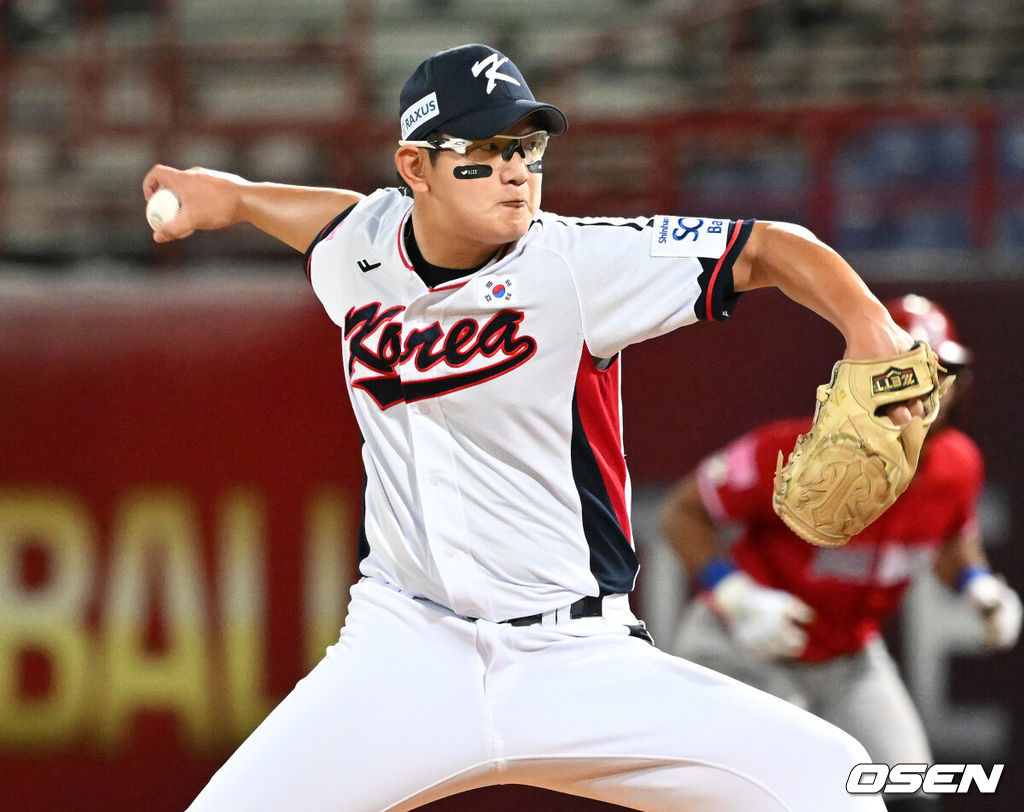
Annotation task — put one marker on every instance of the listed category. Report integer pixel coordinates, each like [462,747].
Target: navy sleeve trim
[717,298]
[327,229]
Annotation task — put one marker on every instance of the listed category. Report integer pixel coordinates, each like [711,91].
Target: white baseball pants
[414,703]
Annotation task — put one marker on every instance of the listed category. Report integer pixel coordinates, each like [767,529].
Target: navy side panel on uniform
[363,545]
[599,471]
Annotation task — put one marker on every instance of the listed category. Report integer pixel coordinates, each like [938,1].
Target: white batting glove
[1000,608]
[766,622]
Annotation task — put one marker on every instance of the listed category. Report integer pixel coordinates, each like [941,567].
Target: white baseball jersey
[496,489]
[495,478]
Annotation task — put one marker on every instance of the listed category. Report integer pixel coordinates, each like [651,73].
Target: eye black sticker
[469,171]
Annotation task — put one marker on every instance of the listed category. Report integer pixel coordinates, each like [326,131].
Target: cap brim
[493,120]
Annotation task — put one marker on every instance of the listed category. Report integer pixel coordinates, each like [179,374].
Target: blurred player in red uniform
[805,622]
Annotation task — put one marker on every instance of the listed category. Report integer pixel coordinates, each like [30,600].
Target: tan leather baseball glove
[854,462]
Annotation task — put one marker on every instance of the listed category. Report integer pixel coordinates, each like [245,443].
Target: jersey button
[435,479]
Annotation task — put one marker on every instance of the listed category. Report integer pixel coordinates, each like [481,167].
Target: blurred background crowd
[888,125]
[177,483]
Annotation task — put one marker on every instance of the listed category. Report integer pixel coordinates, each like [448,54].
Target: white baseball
[162,206]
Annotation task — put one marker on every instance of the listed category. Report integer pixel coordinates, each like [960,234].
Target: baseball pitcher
[490,637]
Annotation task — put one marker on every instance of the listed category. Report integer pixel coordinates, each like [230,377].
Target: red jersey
[853,588]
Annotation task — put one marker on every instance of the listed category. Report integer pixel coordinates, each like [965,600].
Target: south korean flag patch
[495,290]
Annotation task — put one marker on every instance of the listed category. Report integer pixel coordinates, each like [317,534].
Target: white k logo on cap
[453,92]
[492,72]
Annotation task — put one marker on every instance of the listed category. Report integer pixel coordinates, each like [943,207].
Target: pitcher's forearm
[212,200]
[812,274]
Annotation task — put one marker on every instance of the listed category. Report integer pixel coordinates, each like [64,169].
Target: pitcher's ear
[412,165]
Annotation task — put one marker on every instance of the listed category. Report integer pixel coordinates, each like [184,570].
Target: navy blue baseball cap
[472,92]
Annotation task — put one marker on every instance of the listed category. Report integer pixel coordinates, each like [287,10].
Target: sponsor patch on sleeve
[688,237]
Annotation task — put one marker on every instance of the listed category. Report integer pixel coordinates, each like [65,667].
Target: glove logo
[893,380]
[833,501]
